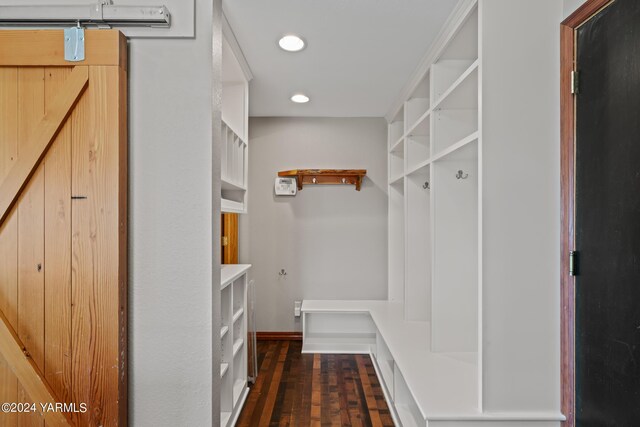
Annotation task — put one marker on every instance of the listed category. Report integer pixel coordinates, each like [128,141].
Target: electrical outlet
[297,307]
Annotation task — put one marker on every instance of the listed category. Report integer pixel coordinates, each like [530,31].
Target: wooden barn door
[63,229]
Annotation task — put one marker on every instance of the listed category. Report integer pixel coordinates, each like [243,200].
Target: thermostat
[286,186]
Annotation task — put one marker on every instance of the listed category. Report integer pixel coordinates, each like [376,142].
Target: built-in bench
[419,385]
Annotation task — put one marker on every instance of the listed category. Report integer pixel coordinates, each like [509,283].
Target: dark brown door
[607,221]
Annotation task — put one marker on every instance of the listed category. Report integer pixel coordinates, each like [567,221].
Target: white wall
[331,240]
[521,205]
[172,373]
[570,6]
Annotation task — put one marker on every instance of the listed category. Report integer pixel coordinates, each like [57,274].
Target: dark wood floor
[299,390]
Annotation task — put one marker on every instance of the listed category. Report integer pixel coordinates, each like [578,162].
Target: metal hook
[426,185]
[462,175]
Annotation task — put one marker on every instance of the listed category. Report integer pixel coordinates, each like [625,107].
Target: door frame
[567,187]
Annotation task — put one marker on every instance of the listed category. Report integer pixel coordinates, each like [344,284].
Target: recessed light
[291,43]
[300,98]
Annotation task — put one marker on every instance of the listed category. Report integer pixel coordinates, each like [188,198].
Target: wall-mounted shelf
[326,176]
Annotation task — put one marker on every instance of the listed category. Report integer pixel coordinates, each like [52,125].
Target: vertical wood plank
[57,248]
[31,263]
[8,230]
[316,393]
[368,392]
[230,231]
[123,242]
[274,385]
[9,119]
[95,244]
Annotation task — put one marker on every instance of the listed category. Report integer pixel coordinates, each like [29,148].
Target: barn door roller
[74,44]
[103,14]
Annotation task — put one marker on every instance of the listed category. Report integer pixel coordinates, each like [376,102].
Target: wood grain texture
[9,119]
[567,204]
[326,176]
[295,389]
[584,12]
[96,308]
[30,377]
[123,240]
[42,131]
[567,243]
[8,230]
[230,231]
[31,263]
[45,48]
[63,261]
[57,249]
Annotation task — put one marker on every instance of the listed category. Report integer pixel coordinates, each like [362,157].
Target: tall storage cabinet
[463,144]
[233,341]
[469,335]
[234,285]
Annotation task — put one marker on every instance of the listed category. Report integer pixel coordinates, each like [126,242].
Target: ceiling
[359,53]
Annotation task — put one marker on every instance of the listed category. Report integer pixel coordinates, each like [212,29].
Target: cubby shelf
[228,185]
[237,345]
[458,145]
[238,314]
[224,367]
[233,367]
[456,85]
[396,179]
[397,145]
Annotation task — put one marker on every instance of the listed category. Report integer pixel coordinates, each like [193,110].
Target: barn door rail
[103,14]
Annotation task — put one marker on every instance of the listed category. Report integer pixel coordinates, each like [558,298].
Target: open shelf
[469,139]
[448,73]
[233,159]
[418,103]
[455,283]
[224,418]
[425,384]
[456,116]
[418,245]
[239,387]
[396,161]
[396,241]
[418,151]
[339,343]
[224,367]
[326,177]
[237,315]
[237,345]
[396,128]
[230,186]
[338,333]
[464,43]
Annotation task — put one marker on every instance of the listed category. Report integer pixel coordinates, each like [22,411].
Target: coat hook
[426,185]
[462,175]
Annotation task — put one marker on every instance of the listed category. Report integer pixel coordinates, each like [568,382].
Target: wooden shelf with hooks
[326,176]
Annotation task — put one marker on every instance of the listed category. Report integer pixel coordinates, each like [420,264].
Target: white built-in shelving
[233,333]
[234,154]
[429,340]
